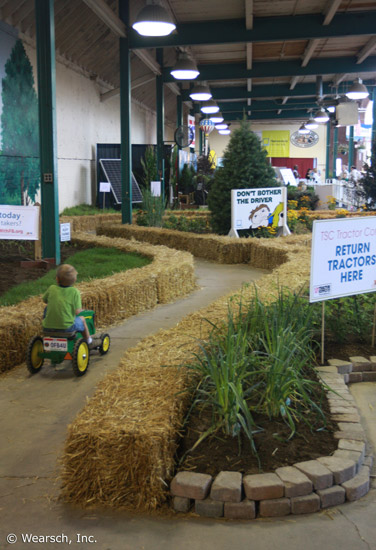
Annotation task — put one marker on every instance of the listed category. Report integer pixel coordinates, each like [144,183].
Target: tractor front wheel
[105,344]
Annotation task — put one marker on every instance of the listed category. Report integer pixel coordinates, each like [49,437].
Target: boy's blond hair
[66,275]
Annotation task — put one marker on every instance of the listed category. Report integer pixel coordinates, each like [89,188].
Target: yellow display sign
[276,142]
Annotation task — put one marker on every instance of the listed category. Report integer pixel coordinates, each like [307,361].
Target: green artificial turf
[93,263]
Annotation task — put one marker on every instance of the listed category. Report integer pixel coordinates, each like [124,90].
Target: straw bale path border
[170,275]
[119,450]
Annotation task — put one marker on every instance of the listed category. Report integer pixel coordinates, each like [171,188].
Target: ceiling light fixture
[200,92]
[303,130]
[222,126]
[311,124]
[209,107]
[321,116]
[217,118]
[357,91]
[224,132]
[185,68]
[154,20]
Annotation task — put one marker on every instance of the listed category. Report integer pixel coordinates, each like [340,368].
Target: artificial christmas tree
[245,166]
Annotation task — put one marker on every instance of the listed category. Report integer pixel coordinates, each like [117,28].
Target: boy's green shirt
[62,303]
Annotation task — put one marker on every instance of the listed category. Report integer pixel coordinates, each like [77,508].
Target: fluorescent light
[357,90]
[185,68]
[311,124]
[209,107]
[200,92]
[154,20]
[217,118]
[321,116]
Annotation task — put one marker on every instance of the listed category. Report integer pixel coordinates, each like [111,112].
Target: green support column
[327,158]
[179,111]
[125,119]
[351,147]
[160,121]
[45,37]
[335,147]
[373,137]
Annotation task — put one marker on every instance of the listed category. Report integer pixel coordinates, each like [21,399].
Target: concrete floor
[36,410]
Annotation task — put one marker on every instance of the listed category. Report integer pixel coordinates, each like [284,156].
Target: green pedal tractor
[59,345]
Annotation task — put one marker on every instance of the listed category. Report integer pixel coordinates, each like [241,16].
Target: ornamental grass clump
[260,363]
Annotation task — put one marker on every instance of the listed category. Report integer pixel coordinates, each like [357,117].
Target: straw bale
[119,450]
[88,223]
[169,276]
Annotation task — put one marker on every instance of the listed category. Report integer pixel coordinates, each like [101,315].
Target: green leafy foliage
[245,165]
[86,210]
[260,361]
[149,166]
[153,209]
[305,199]
[183,223]
[368,181]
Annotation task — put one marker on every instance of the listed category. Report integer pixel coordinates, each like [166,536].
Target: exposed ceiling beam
[141,81]
[270,69]
[265,29]
[367,50]
[267,115]
[248,14]
[284,100]
[312,44]
[338,79]
[294,82]
[105,13]
[330,11]
[276,90]
[239,107]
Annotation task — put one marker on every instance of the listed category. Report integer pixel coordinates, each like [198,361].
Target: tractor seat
[56,333]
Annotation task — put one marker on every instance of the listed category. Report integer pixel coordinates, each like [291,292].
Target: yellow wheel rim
[106,344]
[35,358]
[82,357]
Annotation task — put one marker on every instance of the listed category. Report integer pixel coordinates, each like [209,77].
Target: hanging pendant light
[311,124]
[224,132]
[357,91]
[200,92]
[185,68]
[303,129]
[217,118]
[154,20]
[321,116]
[221,126]
[209,107]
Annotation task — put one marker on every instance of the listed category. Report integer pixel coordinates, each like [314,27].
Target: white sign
[65,232]
[155,188]
[288,176]
[19,222]
[104,187]
[343,259]
[254,208]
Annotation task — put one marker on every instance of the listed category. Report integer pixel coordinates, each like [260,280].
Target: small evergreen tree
[368,181]
[244,166]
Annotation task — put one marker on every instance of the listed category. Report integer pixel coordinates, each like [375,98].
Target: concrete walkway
[36,410]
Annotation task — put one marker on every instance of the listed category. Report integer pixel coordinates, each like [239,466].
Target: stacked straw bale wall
[169,276]
[88,223]
[261,253]
[120,449]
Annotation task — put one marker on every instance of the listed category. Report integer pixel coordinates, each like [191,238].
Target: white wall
[82,121]
[219,142]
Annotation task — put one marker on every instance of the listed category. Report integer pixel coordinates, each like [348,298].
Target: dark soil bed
[215,454]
